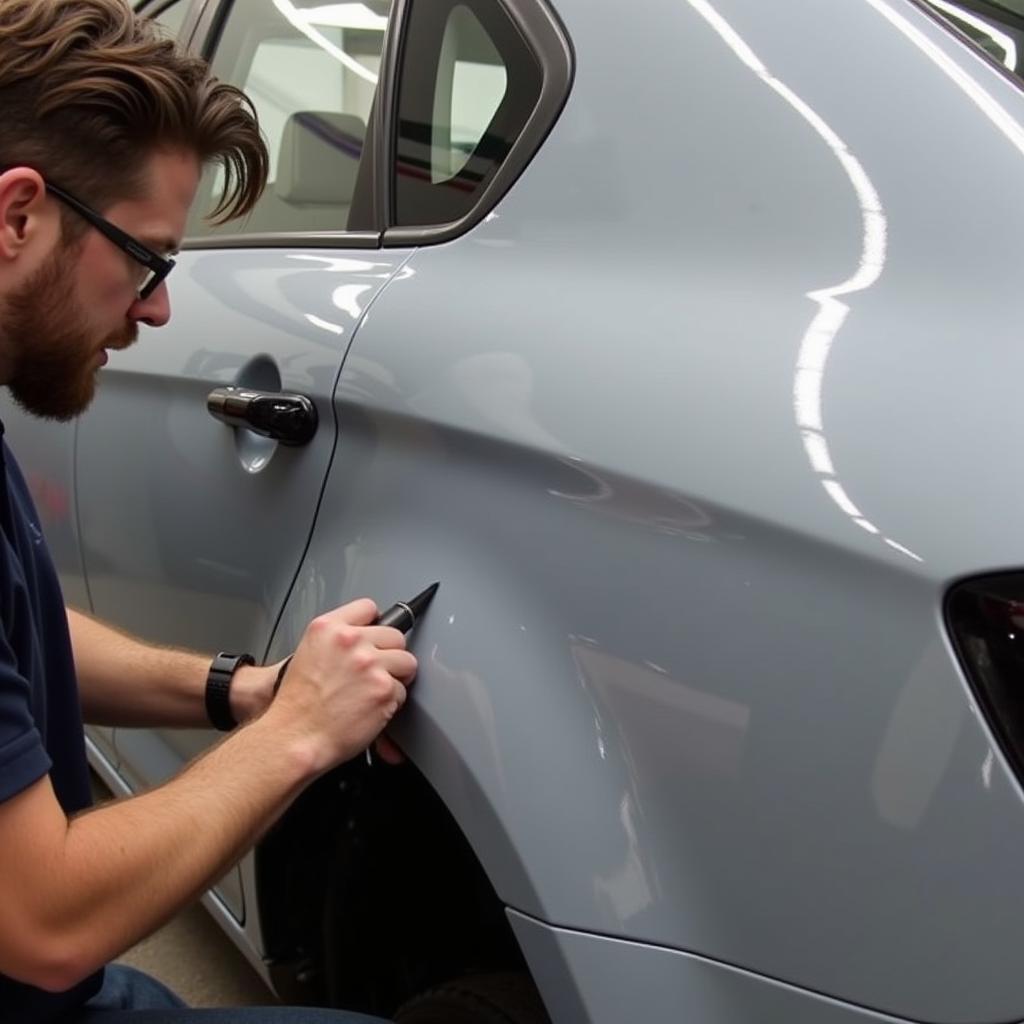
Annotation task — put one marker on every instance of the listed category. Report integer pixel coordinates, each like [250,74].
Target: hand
[346,681]
[266,689]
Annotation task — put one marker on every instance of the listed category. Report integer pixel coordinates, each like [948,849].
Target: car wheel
[477,999]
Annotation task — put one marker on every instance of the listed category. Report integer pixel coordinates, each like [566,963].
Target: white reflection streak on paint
[834,489]
[817,342]
[324,325]
[346,297]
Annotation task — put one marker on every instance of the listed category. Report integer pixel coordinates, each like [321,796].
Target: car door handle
[290,419]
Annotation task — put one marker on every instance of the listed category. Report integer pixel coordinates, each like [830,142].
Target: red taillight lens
[986,620]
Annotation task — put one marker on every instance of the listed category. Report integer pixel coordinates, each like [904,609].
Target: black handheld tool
[404,615]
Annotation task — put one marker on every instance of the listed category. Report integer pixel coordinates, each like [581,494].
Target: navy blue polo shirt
[40,714]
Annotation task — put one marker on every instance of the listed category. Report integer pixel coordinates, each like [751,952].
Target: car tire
[477,999]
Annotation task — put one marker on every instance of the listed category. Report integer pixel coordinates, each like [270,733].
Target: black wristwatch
[218,689]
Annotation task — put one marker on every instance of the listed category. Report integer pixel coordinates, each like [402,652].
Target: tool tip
[421,600]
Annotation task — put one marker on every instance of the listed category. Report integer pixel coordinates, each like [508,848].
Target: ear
[27,220]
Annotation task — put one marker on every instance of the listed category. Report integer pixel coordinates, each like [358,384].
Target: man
[104,131]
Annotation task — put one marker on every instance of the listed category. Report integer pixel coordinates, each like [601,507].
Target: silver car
[681,341]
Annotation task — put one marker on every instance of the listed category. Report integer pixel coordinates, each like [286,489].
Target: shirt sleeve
[23,758]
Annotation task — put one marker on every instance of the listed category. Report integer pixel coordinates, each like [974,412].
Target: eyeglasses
[154,267]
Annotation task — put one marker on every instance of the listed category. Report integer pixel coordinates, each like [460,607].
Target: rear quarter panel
[695,430]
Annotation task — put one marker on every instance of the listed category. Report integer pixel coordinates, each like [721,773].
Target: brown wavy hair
[89,91]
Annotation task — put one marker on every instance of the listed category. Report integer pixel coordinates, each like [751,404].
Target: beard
[54,371]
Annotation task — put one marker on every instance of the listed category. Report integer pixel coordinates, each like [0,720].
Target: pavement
[194,958]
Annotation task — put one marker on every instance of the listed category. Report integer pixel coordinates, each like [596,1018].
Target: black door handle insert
[290,419]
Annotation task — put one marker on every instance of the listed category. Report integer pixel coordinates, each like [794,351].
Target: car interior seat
[317,166]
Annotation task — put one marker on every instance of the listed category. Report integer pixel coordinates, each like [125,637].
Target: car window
[996,27]
[311,70]
[170,15]
[468,84]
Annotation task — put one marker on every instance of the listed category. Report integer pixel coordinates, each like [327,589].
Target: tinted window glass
[468,86]
[1009,6]
[998,28]
[311,70]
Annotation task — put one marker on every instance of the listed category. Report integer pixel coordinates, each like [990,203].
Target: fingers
[400,664]
[350,680]
[369,645]
[400,693]
[384,637]
[361,612]
[388,751]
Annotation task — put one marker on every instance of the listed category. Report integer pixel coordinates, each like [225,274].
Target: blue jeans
[130,997]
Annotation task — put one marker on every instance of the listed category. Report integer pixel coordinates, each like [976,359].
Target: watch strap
[218,689]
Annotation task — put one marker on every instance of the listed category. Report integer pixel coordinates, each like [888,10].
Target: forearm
[125,682]
[123,869]
[76,893]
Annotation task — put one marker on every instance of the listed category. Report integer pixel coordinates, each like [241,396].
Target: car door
[192,526]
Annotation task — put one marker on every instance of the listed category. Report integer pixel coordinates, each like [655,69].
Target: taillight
[986,620]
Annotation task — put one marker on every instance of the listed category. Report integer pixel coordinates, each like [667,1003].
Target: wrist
[307,751]
[251,691]
[298,757]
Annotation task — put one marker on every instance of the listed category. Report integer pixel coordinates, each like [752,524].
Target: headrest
[319,157]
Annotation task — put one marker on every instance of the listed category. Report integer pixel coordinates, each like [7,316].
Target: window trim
[211,25]
[195,10]
[394,53]
[286,240]
[546,37]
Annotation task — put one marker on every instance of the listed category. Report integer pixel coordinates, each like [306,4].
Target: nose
[154,310]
